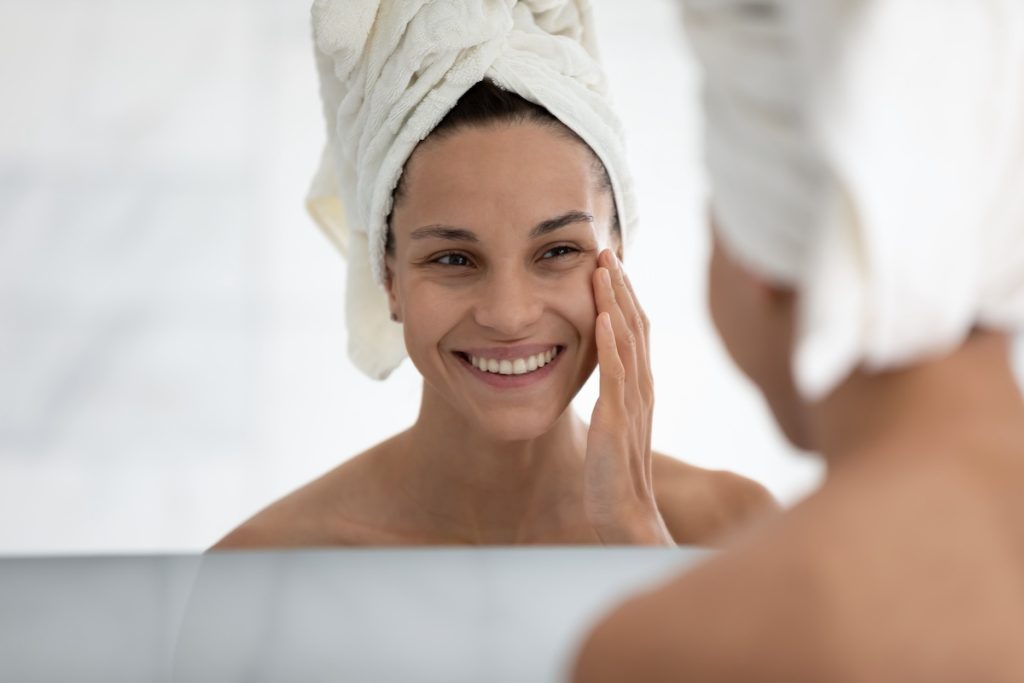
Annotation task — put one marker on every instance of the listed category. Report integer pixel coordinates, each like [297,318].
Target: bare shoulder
[331,510]
[693,627]
[704,507]
[832,564]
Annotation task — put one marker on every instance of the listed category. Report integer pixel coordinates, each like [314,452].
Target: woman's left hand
[619,496]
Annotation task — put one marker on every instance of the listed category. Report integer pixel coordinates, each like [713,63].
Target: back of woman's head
[877,173]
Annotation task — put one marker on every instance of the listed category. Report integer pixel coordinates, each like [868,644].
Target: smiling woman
[501,262]
[500,275]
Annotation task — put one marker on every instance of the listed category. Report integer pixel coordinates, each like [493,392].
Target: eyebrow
[552,224]
[447,232]
[444,232]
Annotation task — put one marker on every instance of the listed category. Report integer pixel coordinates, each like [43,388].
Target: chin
[517,426]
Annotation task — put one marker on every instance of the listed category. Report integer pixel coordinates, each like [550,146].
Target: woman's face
[496,236]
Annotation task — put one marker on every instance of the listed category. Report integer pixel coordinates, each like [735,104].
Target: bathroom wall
[172,347]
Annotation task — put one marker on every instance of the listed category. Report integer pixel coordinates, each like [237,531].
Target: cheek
[428,313]
[574,299]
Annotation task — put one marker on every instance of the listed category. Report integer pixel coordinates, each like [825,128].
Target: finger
[613,372]
[627,299]
[644,320]
[645,324]
[620,394]
[625,295]
[604,296]
[638,323]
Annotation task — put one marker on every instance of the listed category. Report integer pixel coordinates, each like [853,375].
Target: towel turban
[389,72]
[870,154]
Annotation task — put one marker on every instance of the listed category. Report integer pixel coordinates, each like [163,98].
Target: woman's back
[907,565]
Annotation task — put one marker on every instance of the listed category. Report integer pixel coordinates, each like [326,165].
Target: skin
[906,565]
[477,265]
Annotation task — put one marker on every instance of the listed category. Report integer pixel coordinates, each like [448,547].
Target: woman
[496,231]
[869,235]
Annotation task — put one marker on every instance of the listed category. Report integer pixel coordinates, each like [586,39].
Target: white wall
[171,334]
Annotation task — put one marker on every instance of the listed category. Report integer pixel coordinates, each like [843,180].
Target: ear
[767,290]
[389,286]
[762,287]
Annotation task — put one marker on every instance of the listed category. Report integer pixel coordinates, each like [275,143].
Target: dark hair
[485,103]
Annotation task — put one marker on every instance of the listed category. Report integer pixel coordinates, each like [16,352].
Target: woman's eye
[557,252]
[452,260]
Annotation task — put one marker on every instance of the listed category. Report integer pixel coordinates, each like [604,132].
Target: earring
[394,317]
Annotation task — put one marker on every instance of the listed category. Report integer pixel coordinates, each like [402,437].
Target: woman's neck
[964,409]
[480,489]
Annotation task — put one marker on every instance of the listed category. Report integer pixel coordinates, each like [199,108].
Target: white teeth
[515,366]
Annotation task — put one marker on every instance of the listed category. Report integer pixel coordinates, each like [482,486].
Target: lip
[510,381]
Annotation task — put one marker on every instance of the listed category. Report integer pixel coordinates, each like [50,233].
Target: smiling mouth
[525,365]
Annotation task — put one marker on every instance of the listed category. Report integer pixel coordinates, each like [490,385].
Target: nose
[510,303]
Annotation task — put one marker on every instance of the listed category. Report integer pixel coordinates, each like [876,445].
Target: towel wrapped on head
[389,72]
[870,154]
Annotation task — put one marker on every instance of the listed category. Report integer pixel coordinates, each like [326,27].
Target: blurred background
[172,343]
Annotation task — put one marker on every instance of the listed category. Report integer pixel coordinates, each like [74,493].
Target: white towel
[389,72]
[870,153]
